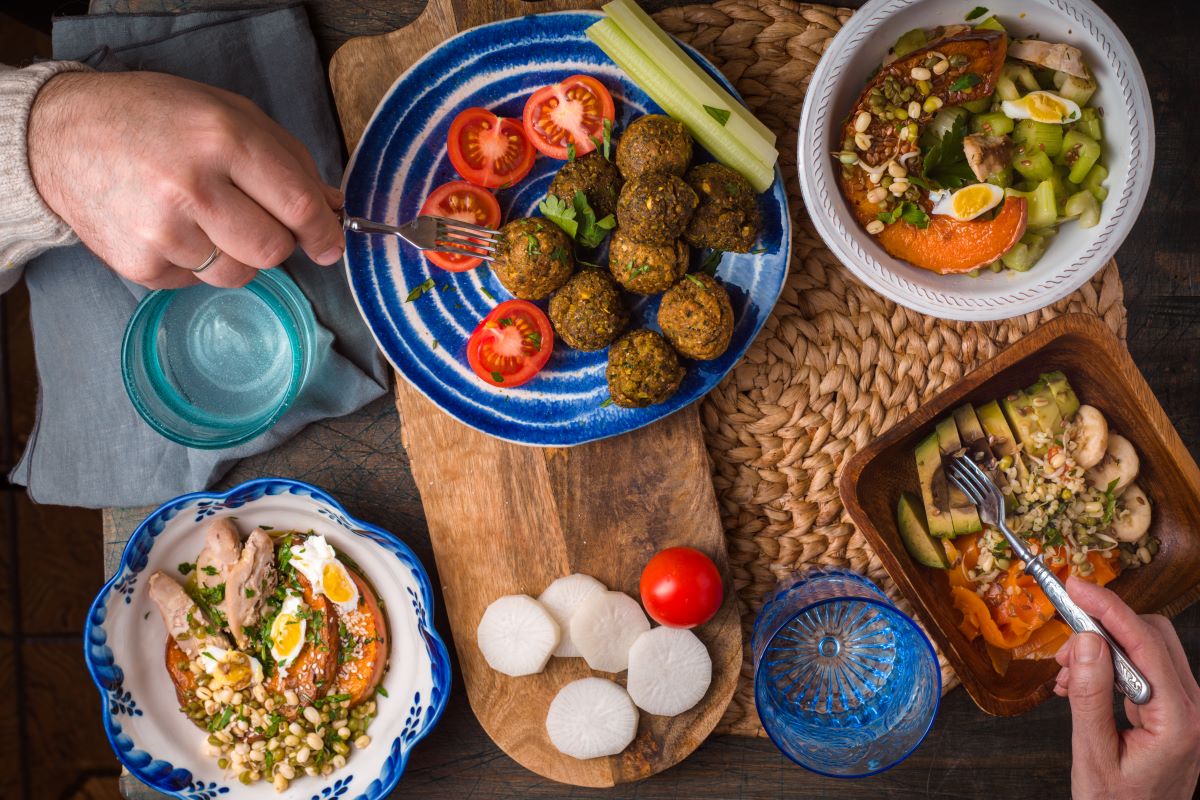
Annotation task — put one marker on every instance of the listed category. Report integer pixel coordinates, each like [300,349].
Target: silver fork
[428,232]
[982,491]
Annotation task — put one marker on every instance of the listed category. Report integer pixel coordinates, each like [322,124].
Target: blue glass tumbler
[846,684]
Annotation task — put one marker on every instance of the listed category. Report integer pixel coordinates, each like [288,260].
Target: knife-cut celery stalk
[654,81]
[658,45]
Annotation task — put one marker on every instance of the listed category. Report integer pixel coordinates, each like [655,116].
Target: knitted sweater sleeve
[27,225]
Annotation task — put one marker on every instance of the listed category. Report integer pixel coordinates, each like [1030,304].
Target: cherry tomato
[462,201]
[681,588]
[571,111]
[488,150]
[511,344]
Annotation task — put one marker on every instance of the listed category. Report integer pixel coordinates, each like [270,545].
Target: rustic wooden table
[968,754]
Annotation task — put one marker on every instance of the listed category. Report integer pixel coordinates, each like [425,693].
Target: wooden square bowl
[1102,374]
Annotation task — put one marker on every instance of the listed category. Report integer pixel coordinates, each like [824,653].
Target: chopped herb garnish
[578,219]
[607,137]
[908,211]
[965,82]
[497,377]
[608,401]
[421,288]
[220,722]
[757,250]
[696,281]
[333,698]
[1110,502]
[535,339]
[532,246]
[185,567]
[381,691]
[571,151]
[635,269]
[559,254]
[945,161]
[446,287]
[1052,537]
[505,322]
[434,343]
[207,570]
[711,261]
[146,615]
[721,115]
[250,592]
[975,13]
[486,293]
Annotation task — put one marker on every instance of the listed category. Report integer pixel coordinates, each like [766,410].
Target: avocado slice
[910,519]
[970,431]
[996,426]
[963,515]
[934,491]
[1018,408]
[1045,409]
[1064,395]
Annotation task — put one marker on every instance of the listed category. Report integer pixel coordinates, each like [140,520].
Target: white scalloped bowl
[1074,254]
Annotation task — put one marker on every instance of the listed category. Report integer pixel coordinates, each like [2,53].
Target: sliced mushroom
[1133,515]
[1062,57]
[986,154]
[1091,436]
[1120,464]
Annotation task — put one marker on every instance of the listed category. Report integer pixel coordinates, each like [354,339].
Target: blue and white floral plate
[402,157]
[124,642]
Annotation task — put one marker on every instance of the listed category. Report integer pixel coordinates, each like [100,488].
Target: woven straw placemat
[836,363]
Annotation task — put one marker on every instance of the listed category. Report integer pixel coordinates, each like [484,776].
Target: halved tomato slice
[571,111]
[511,344]
[469,203]
[488,150]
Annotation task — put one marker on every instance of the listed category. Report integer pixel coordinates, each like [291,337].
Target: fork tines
[972,480]
[464,238]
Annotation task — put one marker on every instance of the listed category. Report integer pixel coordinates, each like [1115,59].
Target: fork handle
[1129,679]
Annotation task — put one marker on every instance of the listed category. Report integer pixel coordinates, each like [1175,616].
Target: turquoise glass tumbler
[846,685]
[213,368]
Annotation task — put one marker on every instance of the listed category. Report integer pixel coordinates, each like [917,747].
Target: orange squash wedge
[949,246]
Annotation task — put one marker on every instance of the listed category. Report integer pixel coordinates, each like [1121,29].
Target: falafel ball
[646,268]
[696,317]
[655,207]
[595,176]
[642,369]
[727,217]
[588,311]
[654,143]
[533,258]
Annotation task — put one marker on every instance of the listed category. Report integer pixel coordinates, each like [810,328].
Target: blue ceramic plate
[124,642]
[402,157]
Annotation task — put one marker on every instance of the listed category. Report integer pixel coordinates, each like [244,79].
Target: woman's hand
[1157,759]
[153,171]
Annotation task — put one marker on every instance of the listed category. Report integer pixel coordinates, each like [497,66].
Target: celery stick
[1084,206]
[655,82]
[690,76]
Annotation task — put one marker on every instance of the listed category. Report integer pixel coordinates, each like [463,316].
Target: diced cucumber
[1084,206]
[1045,78]
[1003,178]
[1044,136]
[1043,211]
[1095,177]
[1006,89]
[914,532]
[993,123]
[1079,90]
[1021,75]
[991,24]
[1090,123]
[1080,152]
[909,42]
[978,106]
[1032,163]
[1022,256]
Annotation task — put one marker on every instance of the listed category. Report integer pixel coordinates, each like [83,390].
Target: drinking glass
[212,368]
[846,684]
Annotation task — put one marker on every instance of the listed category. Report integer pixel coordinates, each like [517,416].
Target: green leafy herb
[420,289]
[561,213]
[906,210]
[636,269]
[976,13]
[207,570]
[532,246]
[497,377]
[757,250]
[711,261]
[608,401]
[945,161]
[220,722]
[577,220]
[1110,502]
[965,82]
[446,287]
[434,343]
[268,760]
[732,187]
[185,567]
[250,592]
[559,255]
[333,698]
[382,691]
[696,281]
[486,293]
[721,115]
[570,152]
[535,339]
[505,322]
[607,148]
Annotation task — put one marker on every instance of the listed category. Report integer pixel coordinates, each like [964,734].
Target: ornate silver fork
[427,232]
[982,491]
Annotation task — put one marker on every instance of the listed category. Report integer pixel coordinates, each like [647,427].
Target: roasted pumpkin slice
[946,245]
[364,645]
[311,675]
[179,668]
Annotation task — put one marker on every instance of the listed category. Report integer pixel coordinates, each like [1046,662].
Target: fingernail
[1087,648]
[330,256]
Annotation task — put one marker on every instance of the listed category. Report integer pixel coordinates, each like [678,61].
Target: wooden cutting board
[507,519]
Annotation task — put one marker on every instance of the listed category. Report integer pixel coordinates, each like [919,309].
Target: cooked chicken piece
[247,583]
[1062,57]
[222,546]
[986,154]
[184,620]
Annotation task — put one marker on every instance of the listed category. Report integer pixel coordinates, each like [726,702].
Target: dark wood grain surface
[968,754]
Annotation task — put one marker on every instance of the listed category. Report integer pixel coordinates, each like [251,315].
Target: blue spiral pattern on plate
[402,157]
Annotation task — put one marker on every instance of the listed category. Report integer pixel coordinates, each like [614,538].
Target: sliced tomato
[488,150]
[571,111]
[511,344]
[462,201]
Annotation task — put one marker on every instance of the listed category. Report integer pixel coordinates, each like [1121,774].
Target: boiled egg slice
[288,630]
[1042,107]
[316,560]
[968,202]
[231,669]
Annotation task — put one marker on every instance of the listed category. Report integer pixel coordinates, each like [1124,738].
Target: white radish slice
[562,599]
[591,717]
[517,635]
[669,671]
[605,626]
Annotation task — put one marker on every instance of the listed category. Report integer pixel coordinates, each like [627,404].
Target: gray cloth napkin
[89,447]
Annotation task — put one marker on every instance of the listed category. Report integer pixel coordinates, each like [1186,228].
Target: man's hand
[153,171]
[1159,758]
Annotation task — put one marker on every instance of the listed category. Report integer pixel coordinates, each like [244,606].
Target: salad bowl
[1075,254]
[124,642]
